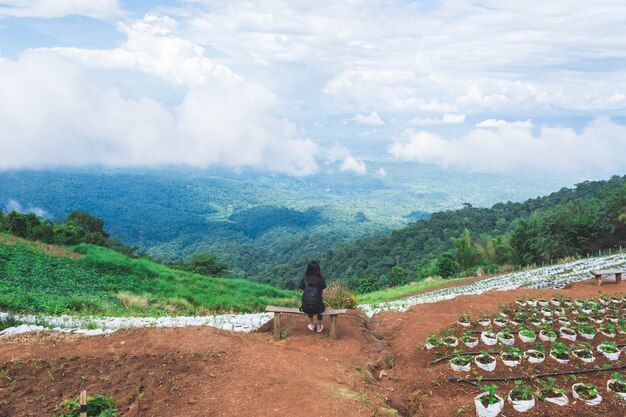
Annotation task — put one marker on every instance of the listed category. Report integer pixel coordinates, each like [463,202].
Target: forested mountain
[263,226]
[569,222]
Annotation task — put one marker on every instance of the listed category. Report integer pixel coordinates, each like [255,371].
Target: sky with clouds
[296,86]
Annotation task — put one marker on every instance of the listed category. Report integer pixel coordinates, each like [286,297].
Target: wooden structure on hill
[332,313]
[597,274]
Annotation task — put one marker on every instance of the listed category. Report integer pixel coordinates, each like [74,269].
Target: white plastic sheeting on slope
[546,277]
[551,276]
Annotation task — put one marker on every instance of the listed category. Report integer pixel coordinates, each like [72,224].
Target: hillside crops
[551,348]
[104,282]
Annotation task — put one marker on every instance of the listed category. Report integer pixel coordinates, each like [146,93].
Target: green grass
[401,291]
[97,283]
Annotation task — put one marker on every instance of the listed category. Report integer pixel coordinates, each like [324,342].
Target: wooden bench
[287,310]
[598,275]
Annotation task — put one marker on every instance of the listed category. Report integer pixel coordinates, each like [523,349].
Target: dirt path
[208,372]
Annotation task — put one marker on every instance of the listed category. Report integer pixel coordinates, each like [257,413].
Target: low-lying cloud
[351,164]
[14,205]
[55,113]
[500,146]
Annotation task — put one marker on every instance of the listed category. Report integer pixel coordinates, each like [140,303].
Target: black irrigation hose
[513,378]
[475,384]
[443,358]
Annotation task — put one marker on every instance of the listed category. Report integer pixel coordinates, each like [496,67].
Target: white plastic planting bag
[571,337]
[489,367]
[533,359]
[608,388]
[488,341]
[561,401]
[523,405]
[507,342]
[595,401]
[526,339]
[471,344]
[587,360]
[460,368]
[509,363]
[563,361]
[490,411]
[610,356]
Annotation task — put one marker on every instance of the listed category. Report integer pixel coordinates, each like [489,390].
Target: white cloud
[339,156]
[99,9]
[382,172]
[52,113]
[351,164]
[446,119]
[440,57]
[493,123]
[489,60]
[372,119]
[599,147]
[13,205]
[153,47]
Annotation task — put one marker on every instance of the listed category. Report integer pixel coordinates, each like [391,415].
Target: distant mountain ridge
[264,226]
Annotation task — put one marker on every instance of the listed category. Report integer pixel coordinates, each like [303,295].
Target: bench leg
[618,277]
[598,281]
[277,326]
[333,327]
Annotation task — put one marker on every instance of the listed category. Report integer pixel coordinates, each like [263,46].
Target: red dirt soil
[425,388]
[194,372]
[208,372]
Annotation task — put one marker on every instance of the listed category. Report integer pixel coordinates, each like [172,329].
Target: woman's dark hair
[313,273]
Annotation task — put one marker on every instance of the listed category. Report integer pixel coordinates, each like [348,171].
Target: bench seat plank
[607,272]
[292,310]
[597,274]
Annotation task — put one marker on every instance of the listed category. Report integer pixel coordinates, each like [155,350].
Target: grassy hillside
[394,293]
[104,282]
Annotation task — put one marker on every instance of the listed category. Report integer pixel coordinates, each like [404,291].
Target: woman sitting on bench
[312,286]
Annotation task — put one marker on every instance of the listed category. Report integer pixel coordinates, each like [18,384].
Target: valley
[174,212]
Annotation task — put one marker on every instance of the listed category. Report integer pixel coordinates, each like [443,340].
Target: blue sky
[301,87]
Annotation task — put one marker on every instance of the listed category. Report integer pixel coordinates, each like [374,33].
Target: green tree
[494,250]
[368,284]
[466,254]
[447,265]
[525,241]
[88,222]
[205,263]
[44,232]
[398,276]
[68,234]
[21,225]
